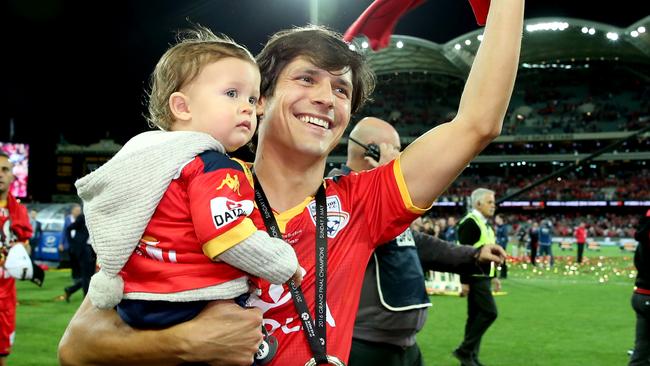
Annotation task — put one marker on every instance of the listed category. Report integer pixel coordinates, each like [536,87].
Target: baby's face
[222,101]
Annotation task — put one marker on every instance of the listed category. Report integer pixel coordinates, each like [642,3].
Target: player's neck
[287,182]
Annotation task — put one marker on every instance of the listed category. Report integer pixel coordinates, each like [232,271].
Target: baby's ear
[179,106]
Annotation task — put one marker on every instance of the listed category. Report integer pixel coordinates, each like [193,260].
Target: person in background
[641,296]
[36,226]
[394,304]
[581,239]
[68,255]
[451,234]
[502,239]
[20,232]
[546,241]
[475,230]
[533,242]
[81,249]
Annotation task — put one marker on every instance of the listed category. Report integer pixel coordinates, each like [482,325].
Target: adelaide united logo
[337,219]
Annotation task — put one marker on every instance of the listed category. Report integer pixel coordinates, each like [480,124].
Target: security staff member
[474,230]
[394,304]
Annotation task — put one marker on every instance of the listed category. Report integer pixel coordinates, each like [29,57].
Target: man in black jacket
[394,304]
[641,296]
[474,230]
[82,253]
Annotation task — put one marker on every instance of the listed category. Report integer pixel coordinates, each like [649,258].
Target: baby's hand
[297,277]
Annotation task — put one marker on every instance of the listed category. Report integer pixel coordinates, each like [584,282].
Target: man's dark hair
[325,49]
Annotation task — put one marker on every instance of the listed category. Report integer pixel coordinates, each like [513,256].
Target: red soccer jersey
[363,210]
[206,210]
[7,300]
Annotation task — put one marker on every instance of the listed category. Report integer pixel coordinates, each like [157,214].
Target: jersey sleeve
[221,201]
[385,200]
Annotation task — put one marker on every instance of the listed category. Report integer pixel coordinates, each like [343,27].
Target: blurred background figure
[641,296]
[502,239]
[581,239]
[70,249]
[546,241]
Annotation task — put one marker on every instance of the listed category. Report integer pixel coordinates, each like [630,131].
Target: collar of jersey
[283,218]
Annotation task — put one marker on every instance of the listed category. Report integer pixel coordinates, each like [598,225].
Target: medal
[267,349]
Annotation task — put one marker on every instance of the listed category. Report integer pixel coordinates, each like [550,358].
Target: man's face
[486,205]
[75,211]
[6,174]
[309,110]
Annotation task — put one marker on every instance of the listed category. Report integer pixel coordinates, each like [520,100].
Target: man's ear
[259,108]
[178,104]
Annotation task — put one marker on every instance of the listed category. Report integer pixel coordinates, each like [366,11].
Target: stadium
[573,151]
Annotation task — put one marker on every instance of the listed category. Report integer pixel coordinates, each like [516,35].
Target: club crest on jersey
[231,182]
[225,211]
[337,219]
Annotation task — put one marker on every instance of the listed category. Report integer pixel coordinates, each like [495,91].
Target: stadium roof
[547,42]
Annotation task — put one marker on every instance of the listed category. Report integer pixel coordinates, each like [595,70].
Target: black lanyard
[315,332]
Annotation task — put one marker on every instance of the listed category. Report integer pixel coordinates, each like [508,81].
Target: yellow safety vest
[487,235]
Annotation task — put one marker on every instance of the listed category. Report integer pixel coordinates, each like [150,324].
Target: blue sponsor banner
[48,246]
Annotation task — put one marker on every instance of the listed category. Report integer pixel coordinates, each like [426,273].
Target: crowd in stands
[626,186]
[544,101]
[605,225]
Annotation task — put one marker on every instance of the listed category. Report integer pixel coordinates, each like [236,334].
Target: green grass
[577,315]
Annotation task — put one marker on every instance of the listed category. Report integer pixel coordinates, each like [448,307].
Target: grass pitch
[566,315]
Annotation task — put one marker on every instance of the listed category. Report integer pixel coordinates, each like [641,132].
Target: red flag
[378,21]
[480,9]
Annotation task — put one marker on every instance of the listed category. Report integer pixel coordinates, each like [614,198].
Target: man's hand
[297,277]
[464,290]
[223,334]
[491,253]
[387,153]
[496,284]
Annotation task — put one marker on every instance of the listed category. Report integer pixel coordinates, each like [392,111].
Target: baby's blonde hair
[195,49]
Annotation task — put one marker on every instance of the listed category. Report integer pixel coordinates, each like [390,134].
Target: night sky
[78,70]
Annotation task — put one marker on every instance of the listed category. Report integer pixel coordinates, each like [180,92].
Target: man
[533,238]
[19,234]
[546,241]
[394,303]
[36,226]
[581,239]
[502,239]
[311,83]
[451,234]
[69,253]
[81,253]
[475,230]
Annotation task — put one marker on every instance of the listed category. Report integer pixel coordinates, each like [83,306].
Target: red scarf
[379,19]
[19,218]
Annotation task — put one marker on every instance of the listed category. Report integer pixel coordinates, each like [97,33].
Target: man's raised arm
[434,160]
[222,334]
